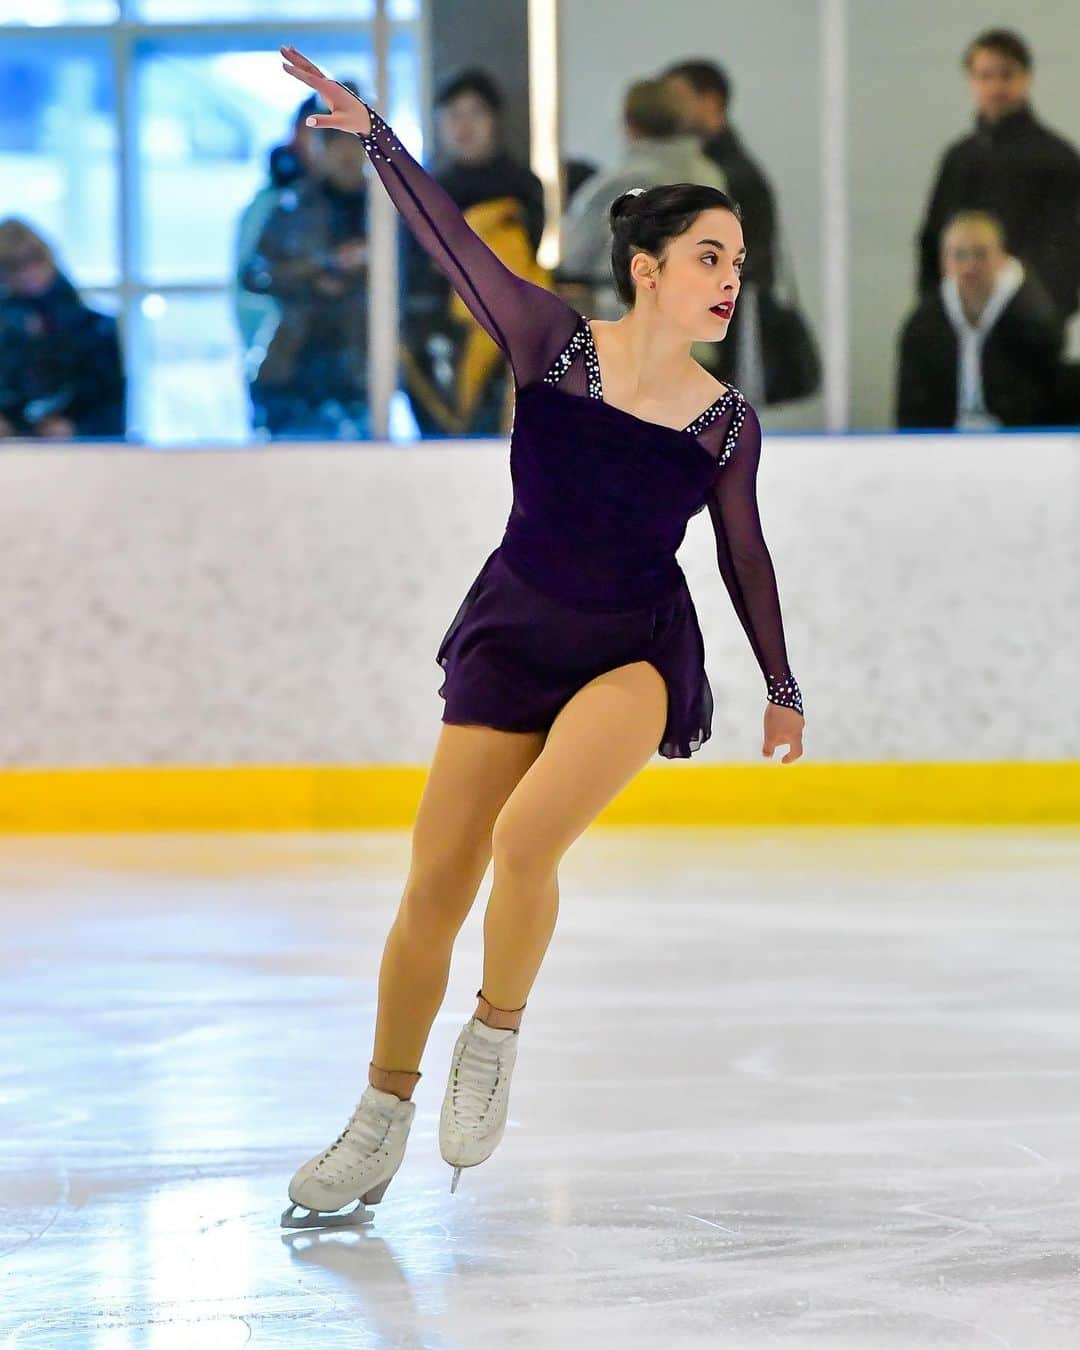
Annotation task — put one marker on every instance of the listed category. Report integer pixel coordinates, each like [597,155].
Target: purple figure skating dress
[585,578]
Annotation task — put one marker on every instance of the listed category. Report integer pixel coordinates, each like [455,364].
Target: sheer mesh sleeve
[530,324]
[745,563]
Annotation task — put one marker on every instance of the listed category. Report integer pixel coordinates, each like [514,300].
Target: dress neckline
[596,390]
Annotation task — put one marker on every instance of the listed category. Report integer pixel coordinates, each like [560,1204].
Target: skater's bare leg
[473,772]
[600,740]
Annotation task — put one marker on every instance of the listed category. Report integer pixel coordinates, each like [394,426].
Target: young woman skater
[576,653]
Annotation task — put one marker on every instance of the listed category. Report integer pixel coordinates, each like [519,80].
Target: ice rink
[800,1088]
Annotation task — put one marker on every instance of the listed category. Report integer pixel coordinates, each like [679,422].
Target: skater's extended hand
[347,113]
[783,726]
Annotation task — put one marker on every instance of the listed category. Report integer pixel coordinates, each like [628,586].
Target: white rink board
[284,604]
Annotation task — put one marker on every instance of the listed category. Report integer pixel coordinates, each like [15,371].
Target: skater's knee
[519,850]
[433,908]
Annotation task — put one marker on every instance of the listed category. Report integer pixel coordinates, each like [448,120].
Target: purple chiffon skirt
[513,656]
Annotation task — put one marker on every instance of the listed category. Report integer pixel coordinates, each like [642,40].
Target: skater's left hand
[783,726]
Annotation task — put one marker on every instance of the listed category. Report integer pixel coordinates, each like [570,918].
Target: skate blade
[455,1179]
[315,1218]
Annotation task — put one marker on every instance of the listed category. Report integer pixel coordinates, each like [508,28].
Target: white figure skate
[473,1116]
[358,1165]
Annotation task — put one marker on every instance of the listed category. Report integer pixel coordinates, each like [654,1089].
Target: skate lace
[477,1076]
[364,1135]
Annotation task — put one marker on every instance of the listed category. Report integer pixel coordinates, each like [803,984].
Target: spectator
[657,150]
[703,93]
[1014,167]
[574,172]
[257,314]
[455,385]
[312,257]
[61,372]
[769,352]
[983,349]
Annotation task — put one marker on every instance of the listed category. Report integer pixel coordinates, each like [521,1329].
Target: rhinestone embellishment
[785,692]
[565,360]
[583,338]
[731,439]
[379,137]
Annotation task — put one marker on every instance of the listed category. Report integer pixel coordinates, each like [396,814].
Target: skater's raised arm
[529,323]
[745,563]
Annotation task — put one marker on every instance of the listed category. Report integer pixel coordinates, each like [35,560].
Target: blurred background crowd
[227,298]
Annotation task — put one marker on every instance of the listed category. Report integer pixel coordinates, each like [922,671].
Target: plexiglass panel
[217,11]
[50,13]
[207,122]
[186,368]
[58,141]
[765,138]
[911,101]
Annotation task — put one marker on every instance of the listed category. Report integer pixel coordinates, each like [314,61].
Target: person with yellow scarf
[452,372]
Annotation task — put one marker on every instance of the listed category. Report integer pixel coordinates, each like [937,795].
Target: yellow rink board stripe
[298,797]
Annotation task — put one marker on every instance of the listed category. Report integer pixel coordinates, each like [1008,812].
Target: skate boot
[473,1116]
[358,1165]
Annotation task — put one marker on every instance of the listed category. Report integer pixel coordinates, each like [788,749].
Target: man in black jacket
[312,256]
[1014,167]
[983,349]
[702,91]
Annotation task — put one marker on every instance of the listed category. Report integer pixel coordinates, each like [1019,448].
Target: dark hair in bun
[624,205]
[647,221]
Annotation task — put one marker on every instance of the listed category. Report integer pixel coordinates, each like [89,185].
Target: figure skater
[576,652]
